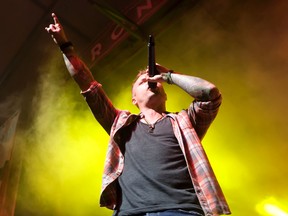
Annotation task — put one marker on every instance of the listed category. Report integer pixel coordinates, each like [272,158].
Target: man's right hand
[56,31]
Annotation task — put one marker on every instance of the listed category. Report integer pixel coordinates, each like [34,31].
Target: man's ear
[134,101]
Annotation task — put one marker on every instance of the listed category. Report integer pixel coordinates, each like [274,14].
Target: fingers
[156,78]
[52,27]
[49,28]
[56,21]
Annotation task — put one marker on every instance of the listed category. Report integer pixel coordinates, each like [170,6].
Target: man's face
[142,95]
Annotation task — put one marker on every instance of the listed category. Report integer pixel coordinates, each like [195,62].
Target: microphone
[151,61]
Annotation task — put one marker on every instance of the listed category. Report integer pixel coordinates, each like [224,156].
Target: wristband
[169,78]
[65,45]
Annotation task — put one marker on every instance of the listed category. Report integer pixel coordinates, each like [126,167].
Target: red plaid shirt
[189,127]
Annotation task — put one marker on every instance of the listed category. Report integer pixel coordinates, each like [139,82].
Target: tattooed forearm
[198,88]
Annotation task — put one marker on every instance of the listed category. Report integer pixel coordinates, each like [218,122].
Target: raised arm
[77,69]
[96,98]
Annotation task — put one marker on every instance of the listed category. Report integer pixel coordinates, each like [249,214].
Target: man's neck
[152,115]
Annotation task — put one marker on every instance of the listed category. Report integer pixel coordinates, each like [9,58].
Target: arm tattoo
[198,88]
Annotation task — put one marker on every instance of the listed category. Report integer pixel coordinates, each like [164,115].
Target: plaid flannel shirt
[189,127]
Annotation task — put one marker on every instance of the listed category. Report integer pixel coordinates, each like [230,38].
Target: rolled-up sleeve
[100,105]
[202,114]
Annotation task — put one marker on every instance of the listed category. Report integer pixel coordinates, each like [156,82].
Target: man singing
[155,163]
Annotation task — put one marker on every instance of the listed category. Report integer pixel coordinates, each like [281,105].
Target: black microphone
[151,61]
